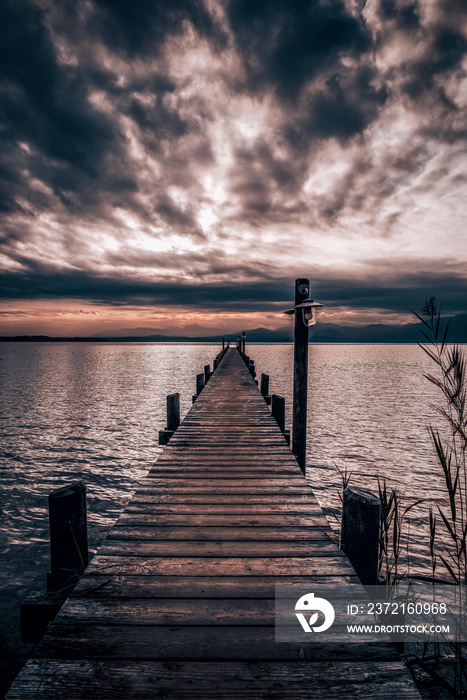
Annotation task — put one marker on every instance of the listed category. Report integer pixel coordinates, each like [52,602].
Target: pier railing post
[265,387]
[300,378]
[243,342]
[173,411]
[207,373]
[68,536]
[361,515]
[68,559]
[199,385]
[173,418]
[278,410]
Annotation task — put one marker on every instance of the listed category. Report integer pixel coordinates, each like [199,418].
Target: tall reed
[448,526]
[449,442]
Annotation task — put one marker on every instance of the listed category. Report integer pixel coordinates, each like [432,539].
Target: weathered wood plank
[237,534]
[142,680]
[225,566]
[225,508]
[216,498]
[135,515]
[122,585]
[204,643]
[194,548]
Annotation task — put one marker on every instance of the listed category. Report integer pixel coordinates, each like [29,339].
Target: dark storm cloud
[284,45]
[406,15]
[143,27]
[444,53]
[344,107]
[389,291]
[41,102]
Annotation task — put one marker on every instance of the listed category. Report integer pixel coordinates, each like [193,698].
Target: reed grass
[448,524]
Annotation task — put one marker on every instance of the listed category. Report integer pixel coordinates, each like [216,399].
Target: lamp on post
[304,317]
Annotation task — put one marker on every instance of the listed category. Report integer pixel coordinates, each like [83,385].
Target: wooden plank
[216,548]
[89,640]
[256,498]
[190,612]
[151,504]
[144,680]
[237,534]
[103,583]
[139,515]
[225,566]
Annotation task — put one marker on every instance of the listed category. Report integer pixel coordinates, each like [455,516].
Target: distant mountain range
[321,333]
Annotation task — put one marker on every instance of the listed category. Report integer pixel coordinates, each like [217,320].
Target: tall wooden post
[173,418]
[223,343]
[278,410]
[199,382]
[68,536]
[300,375]
[173,411]
[361,514]
[264,384]
[207,373]
[243,342]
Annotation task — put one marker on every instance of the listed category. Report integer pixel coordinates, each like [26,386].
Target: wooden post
[68,536]
[207,373]
[243,342]
[214,365]
[223,344]
[278,410]
[173,411]
[300,378]
[173,418]
[251,367]
[199,383]
[361,515]
[264,384]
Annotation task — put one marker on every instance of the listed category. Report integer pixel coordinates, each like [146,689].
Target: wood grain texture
[179,600]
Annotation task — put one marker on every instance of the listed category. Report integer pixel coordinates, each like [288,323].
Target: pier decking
[179,600]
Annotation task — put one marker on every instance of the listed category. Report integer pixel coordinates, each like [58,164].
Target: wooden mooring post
[278,410]
[207,373]
[361,518]
[173,418]
[68,536]
[265,387]
[68,560]
[200,378]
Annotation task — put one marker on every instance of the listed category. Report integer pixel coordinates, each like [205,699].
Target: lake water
[92,411]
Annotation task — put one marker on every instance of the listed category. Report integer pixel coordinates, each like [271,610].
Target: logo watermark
[307,603]
[374,613]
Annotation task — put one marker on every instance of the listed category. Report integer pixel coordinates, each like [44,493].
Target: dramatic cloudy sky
[176,162]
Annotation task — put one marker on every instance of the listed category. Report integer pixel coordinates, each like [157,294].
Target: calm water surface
[92,412]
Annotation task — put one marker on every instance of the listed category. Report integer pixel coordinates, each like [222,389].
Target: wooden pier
[179,600]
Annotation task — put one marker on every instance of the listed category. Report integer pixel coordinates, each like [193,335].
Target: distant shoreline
[188,341]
